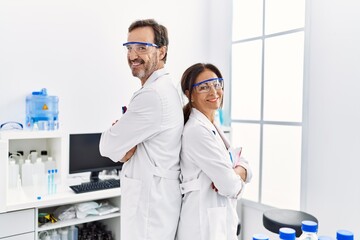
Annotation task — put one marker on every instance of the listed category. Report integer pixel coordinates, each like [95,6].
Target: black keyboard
[96,186]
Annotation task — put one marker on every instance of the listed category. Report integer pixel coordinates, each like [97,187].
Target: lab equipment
[309,230]
[49,164]
[73,233]
[42,111]
[260,236]
[287,233]
[13,173]
[344,235]
[27,171]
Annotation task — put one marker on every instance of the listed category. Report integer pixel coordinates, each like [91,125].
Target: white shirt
[150,194]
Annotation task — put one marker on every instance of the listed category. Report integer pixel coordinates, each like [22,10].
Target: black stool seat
[275,219]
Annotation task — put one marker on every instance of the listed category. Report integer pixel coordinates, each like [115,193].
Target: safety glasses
[11,126]
[139,47]
[205,86]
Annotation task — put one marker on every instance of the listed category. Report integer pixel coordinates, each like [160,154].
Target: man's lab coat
[150,193]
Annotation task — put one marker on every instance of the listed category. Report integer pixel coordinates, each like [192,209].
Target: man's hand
[128,155]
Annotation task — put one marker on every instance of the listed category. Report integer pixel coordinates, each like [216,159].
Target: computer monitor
[85,155]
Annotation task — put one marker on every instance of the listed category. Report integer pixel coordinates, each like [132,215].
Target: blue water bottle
[42,111]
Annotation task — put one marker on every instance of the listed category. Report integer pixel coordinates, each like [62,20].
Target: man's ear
[163,51]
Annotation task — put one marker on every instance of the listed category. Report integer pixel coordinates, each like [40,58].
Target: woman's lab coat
[205,159]
[150,192]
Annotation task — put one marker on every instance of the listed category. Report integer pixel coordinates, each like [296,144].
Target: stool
[275,219]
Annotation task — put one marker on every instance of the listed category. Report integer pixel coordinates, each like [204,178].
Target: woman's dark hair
[188,79]
[160,32]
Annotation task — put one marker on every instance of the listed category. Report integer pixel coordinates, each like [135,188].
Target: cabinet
[21,224]
[30,201]
[13,141]
[111,220]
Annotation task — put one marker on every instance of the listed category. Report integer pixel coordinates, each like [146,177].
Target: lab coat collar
[155,75]
[213,127]
[203,119]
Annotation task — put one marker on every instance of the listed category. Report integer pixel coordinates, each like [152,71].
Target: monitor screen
[85,155]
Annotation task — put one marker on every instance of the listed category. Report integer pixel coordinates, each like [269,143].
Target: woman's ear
[187,93]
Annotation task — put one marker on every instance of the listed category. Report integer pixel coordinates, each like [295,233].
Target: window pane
[283,77]
[281,166]
[247,18]
[284,15]
[246,80]
[248,137]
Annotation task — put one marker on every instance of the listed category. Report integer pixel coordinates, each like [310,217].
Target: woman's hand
[128,155]
[239,170]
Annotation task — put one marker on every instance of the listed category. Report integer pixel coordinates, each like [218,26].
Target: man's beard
[149,68]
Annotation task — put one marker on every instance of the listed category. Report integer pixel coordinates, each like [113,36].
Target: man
[148,139]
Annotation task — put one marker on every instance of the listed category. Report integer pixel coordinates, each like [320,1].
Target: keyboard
[96,186]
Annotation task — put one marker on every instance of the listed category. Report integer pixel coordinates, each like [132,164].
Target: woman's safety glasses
[139,47]
[205,86]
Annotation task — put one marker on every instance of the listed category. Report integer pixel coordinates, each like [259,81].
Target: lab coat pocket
[217,223]
[130,196]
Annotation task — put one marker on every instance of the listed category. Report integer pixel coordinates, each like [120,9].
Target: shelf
[27,134]
[61,224]
[26,198]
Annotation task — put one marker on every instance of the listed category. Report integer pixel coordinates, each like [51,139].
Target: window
[267,96]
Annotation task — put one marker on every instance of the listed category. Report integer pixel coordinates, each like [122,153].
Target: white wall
[74,49]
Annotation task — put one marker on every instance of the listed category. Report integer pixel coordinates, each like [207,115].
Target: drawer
[17,222]
[26,236]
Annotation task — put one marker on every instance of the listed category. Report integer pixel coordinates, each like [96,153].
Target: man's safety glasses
[205,86]
[139,47]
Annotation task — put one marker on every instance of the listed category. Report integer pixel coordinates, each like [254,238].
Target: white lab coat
[205,159]
[150,192]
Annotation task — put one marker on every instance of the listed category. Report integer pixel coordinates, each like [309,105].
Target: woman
[212,177]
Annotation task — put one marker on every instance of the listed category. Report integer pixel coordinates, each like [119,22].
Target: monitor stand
[94,176]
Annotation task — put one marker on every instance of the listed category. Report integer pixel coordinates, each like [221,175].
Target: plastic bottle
[33,155]
[309,230]
[27,173]
[73,233]
[55,235]
[260,236]
[49,164]
[64,234]
[13,173]
[20,159]
[44,155]
[344,235]
[39,172]
[47,237]
[287,233]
